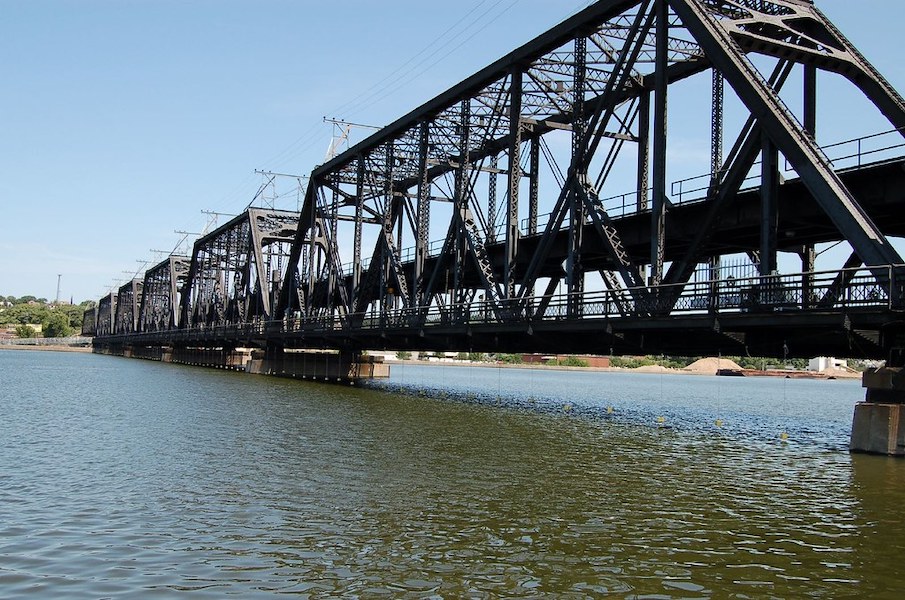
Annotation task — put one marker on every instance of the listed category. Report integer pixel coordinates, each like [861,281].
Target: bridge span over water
[530,208]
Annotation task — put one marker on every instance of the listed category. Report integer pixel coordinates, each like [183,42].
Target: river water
[129,478]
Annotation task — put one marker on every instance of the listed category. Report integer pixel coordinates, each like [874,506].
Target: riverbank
[650,369]
[47,348]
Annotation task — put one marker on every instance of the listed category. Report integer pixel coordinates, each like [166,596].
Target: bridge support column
[233,359]
[316,365]
[878,426]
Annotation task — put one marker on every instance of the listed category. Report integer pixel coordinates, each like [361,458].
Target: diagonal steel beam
[796,145]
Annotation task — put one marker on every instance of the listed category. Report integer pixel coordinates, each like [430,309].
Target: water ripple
[123,478]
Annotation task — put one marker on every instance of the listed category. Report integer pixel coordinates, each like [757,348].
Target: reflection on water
[123,477]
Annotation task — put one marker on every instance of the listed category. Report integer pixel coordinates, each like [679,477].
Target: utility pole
[341,131]
[270,178]
[213,216]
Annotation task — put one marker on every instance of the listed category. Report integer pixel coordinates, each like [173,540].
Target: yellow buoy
[610,410]
[567,407]
[718,422]
[661,420]
[784,436]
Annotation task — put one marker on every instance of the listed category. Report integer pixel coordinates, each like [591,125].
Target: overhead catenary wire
[383,83]
[475,21]
[391,88]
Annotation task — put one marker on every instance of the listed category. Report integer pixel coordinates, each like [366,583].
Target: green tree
[403,355]
[57,325]
[572,361]
[74,312]
[24,331]
[22,314]
[510,359]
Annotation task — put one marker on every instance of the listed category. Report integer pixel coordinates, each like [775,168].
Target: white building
[824,363]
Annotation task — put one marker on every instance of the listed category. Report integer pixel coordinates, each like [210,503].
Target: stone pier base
[298,364]
[215,358]
[878,426]
[879,429]
[317,366]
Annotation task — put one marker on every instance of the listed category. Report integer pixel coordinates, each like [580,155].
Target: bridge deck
[878,187]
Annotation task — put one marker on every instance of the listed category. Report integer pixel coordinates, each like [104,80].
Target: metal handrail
[620,204]
[875,287]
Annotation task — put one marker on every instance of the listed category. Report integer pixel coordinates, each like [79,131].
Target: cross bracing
[545,179]
[602,78]
[160,299]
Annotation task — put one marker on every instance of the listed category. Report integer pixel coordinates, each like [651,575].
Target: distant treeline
[26,313]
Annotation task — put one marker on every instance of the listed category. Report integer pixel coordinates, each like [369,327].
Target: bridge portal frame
[589,78]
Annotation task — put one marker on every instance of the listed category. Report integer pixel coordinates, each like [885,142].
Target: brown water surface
[130,478]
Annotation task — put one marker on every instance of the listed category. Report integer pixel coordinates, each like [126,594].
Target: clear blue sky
[121,120]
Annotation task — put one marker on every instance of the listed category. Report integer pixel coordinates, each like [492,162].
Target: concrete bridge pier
[878,426]
[146,352]
[233,359]
[333,366]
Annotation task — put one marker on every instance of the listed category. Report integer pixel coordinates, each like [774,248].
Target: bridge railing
[854,152]
[879,288]
[815,291]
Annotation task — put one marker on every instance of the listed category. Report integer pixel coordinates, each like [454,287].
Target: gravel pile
[711,365]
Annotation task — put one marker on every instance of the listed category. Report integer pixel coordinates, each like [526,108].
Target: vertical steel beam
[423,217]
[716,163]
[533,181]
[574,274]
[515,179]
[175,290]
[331,213]
[461,197]
[356,252]
[716,129]
[810,100]
[491,199]
[713,274]
[809,254]
[808,264]
[661,82]
[769,194]
[643,151]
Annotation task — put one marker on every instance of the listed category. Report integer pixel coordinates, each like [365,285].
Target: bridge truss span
[548,127]
[535,205]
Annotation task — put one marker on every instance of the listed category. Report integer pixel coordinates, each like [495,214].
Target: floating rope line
[783,435]
[719,392]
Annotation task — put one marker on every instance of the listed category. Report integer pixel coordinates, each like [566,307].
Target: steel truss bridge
[486,219]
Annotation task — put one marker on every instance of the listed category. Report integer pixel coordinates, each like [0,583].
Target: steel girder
[236,270]
[106,308]
[89,322]
[128,300]
[725,29]
[600,77]
[160,300]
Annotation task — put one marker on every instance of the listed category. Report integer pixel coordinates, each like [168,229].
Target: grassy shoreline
[650,369]
[47,348]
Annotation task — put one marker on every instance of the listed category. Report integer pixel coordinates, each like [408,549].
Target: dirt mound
[652,369]
[842,373]
[711,365]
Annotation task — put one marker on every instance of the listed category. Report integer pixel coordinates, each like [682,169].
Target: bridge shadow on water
[767,412]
